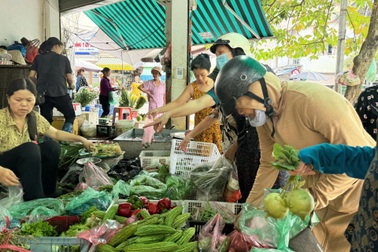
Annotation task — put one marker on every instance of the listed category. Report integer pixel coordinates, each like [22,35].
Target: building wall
[30,19]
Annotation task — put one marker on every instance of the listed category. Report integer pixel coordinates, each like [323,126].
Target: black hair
[25,84]
[79,71]
[105,70]
[237,51]
[44,48]
[202,61]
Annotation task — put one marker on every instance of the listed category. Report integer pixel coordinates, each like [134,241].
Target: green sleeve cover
[338,158]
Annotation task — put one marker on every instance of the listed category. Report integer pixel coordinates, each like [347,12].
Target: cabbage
[275,206]
[300,202]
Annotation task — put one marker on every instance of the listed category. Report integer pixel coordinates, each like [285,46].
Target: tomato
[165,203]
[153,208]
[124,209]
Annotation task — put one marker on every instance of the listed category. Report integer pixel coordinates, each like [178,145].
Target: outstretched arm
[203,125]
[185,96]
[184,110]
[338,159]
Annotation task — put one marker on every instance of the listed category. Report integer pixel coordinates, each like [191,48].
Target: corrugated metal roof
[140,24]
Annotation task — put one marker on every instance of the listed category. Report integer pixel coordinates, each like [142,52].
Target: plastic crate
[149,157]
[190,205]
[58,244]
[182,163]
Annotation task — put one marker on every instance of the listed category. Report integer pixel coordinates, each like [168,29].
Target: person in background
[81,81]
[51,71]
[155,90]
[200,67]
[356,162]
[105,89]
[23,160]
[367,109]
[242,143]
[293,113]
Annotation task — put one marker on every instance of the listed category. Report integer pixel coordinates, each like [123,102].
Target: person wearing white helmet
[297,114]
[240,140]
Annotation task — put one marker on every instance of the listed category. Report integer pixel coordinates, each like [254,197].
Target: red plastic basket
[62,223]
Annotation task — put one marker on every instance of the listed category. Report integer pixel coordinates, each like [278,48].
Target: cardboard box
[58,122]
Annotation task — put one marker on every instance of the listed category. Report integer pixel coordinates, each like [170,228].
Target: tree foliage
[305,28]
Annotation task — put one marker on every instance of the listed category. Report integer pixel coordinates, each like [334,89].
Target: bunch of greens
[39,228]
[286,157]
[85,96]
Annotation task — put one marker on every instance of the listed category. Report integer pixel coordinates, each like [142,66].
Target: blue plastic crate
[58,244]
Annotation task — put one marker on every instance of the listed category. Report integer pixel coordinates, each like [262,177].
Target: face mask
[259,120]
[222,60]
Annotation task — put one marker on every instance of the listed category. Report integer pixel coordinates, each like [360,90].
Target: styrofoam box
[182,163]
[150,157]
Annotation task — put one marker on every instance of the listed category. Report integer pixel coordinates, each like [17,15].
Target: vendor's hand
[153,113]
[158,123]
[303,170]
[8,178]
[89,146]
[184,143]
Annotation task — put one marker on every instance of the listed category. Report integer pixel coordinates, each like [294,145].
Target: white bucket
[121,126]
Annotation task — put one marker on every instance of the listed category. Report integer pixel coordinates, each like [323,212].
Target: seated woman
[200,67]
[23,160]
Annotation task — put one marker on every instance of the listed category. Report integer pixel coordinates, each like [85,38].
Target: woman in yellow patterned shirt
[200,67]
[23,161]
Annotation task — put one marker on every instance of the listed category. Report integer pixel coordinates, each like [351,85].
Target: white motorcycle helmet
[234,41]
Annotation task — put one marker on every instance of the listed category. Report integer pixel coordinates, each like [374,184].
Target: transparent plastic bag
[89,197]
[212,183]
[15,196]
[232,191]
[269,231]
[210,238]
[240,242]
[94,176]
[145,185]
[101,234]
[38,209]
[88,129]
[120,188]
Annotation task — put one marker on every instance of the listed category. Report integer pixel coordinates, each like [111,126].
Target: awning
[79,63]
[140,24]
[114,64]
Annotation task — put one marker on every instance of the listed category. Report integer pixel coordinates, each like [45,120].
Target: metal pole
[341,41]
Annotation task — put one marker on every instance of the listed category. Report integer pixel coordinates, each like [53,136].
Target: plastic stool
[122,113]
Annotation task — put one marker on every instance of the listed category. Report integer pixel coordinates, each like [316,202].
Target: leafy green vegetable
[74,230]
[88,213]
[40,228]
[286,157]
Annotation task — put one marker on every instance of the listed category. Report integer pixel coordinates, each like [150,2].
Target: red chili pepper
[153,208]
[144,200]
[165,203]
[125,209]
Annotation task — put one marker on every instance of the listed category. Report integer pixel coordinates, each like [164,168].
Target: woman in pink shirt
[155,90]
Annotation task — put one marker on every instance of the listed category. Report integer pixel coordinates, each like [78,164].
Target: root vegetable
[275,206]
[300,202]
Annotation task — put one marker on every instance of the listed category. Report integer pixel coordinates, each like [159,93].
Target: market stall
[159,201]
